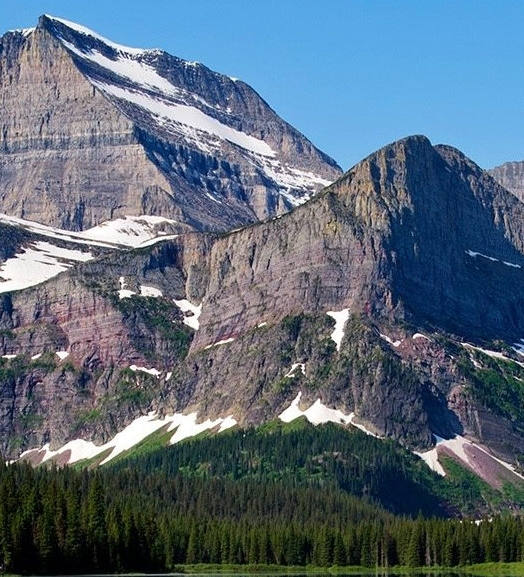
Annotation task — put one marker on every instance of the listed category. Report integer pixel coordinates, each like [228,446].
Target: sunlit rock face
[92,131]
[511,176]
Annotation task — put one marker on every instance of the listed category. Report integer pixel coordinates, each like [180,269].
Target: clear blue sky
[352,75]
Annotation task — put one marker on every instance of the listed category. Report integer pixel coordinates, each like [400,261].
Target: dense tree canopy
[310,496]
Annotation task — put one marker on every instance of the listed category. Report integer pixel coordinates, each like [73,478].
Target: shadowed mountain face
[93,131]
[451,242]
[412,232]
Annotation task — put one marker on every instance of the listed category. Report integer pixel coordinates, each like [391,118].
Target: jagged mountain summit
[511,176]
[93,131]
[391,301]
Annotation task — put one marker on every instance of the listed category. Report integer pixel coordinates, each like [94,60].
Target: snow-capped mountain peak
[131,131]
[176,97]
[90,33]
[134,78]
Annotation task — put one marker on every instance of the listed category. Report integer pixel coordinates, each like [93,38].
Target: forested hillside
[298,495]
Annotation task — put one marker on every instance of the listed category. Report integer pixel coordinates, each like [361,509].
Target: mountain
[391,301]
[168,267]
[93,131]
[511,176]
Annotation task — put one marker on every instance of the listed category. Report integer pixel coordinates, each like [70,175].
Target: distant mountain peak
[511,176]
[55,24]
[174,138]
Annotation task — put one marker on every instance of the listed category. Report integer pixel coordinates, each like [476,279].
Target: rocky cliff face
[415,250]
[92,131]
[511,176]
[394,237]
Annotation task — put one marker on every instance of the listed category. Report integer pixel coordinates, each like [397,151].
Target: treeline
[300,454]
[62,521]
[300,496]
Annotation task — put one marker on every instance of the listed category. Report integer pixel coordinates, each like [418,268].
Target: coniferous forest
[297,495]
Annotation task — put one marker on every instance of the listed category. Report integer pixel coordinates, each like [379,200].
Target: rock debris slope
[92,131]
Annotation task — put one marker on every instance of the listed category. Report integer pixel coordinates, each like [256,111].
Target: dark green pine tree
[193,553]
[339,550]
[416,544]
[96,524]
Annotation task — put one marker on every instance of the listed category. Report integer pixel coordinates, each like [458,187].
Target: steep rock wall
[67,157]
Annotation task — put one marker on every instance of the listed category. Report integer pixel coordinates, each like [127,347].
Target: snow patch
[23,31]
[79,450]
[188,116]
[87,32]
[475,254]
[187,426]
[431,459]
[227,423]
[476,364]
[294,367]
[62,355]
[457,445]
[494,354]
[124,293]
[519,347]
[341,318]
[293,411]
[420,336]
[125,65]
[223,342]
[145,291]
[390,340]
[154,372]
[149,291]
[491,258]
[138,430]
[36,264]
[213,198]
[191,313]
[130,231]
[290,179]
[9,357]
[318,413]
[183,426]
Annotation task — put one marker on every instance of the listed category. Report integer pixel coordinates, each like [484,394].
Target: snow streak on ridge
[185,114]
